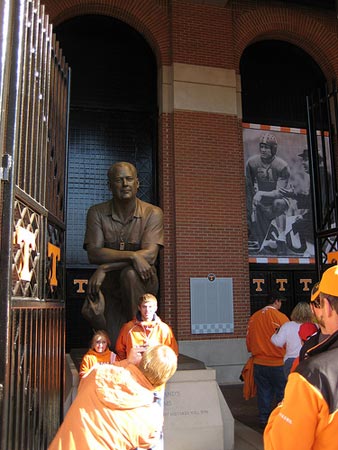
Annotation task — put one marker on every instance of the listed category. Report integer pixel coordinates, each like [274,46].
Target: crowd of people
[295,369]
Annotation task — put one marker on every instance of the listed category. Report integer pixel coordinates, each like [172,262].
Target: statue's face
[124,182]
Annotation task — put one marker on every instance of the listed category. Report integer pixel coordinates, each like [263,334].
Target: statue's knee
[128,275]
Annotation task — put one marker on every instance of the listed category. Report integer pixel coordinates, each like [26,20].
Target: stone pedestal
[196,416]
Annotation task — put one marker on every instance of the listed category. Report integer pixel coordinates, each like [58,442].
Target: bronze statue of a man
[123,236]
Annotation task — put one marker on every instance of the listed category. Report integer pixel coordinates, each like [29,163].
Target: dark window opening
[276,78]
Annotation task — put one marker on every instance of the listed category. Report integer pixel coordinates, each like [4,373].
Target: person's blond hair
[158,364]
[97,334]
[301,313]
[147,298]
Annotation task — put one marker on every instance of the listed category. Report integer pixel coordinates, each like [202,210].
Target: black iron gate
[34,83]
[322,140]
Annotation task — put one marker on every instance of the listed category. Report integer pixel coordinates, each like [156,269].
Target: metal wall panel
[211,302]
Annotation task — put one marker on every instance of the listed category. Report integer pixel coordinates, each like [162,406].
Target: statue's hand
[143,268]
[95,281]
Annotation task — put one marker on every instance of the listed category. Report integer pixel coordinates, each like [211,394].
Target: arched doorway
[276,78]
[113,117]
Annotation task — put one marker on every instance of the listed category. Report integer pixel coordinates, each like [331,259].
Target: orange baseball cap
[314,291]
[329,282]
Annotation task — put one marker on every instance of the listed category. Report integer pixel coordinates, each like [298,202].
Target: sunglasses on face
[316,303]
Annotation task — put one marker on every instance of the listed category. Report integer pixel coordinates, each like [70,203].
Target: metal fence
[322,110]
[36,378]
[34,127]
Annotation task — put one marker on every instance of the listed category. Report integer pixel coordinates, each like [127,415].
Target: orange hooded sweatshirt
[114,409]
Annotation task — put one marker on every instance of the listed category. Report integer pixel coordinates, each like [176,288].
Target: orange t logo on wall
[258,282]
[26,240]
[54,253]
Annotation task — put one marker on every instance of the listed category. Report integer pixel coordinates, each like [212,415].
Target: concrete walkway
[248,434]
[246,438]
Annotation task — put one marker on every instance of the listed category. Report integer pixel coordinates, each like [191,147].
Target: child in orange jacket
[99,352]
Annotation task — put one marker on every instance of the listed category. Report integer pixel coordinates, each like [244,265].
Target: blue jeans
[287,366]
[270,382]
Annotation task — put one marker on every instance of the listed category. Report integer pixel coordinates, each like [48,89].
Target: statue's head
[123,181]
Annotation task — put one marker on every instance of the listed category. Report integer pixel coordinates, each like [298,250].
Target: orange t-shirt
[262,325]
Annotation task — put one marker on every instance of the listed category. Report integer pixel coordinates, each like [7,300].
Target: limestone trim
[199,88]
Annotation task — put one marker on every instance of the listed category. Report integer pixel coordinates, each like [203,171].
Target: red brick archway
[147,17]
[291,26]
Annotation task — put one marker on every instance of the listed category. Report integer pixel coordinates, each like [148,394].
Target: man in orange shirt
[267,358]
[307,418]
[146,329]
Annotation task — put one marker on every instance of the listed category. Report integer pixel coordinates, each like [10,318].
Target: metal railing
[322,110]
[34,131]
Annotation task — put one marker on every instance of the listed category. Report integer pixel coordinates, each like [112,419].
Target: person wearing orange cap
[307,418]
[321,334]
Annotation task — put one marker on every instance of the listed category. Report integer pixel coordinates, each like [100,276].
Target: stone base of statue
[196,415]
